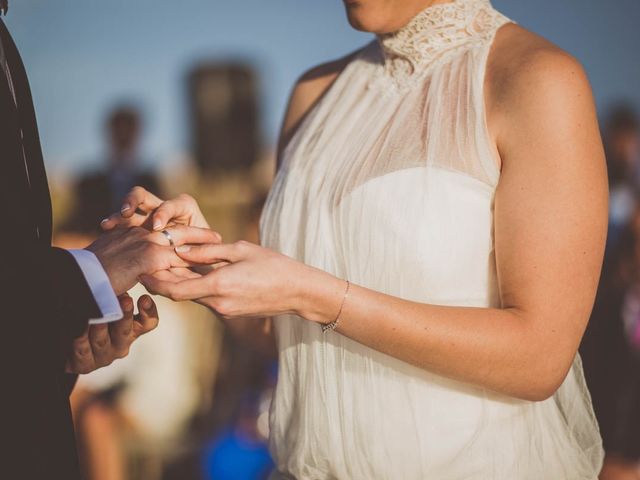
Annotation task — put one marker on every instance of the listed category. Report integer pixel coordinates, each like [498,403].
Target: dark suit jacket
[44,300]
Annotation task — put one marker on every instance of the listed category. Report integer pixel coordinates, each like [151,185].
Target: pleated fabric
[389,182]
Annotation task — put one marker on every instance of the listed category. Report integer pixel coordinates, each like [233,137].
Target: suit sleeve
[47,303]
[45,287]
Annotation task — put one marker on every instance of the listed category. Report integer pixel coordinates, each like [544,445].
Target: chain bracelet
[332,325]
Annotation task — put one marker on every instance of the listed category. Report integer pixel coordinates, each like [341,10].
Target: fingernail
[125,207]
[127,307]
[183,248]
[147,303]
[105,220]
[157,225]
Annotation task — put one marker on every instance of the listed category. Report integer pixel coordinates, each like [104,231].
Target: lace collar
[434,32]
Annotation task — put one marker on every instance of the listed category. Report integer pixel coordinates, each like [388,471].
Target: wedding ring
[169,237]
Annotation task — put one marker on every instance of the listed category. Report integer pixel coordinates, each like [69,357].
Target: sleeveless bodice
[389,182]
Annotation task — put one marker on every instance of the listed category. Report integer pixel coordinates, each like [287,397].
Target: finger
[186,273]
[121,332]
[183,290]
[147,318]
[167,276]
[116,220]
[176,274]
[139,199]
[153,258]
[109,222]
[175,210]
[181,210]
[212,253]
[100,344]
[182,234]
[81,360]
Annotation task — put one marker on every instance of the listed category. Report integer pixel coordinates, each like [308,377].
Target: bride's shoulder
[522,62]
[529,76]
[307,92]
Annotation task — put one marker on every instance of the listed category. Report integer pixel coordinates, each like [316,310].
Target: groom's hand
[101,344]
[125,254]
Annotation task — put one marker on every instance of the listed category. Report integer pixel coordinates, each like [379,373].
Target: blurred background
[188,97]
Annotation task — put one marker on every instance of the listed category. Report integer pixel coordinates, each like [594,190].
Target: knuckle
[139,231]
[103,362]
[123,352]
[216,304]
[239,246]
[100,343]
[223,307]
[152,252]
[176,295]
[82,351]
[126,331]
[221,284]
[137,191]
[215,283]
[186,199]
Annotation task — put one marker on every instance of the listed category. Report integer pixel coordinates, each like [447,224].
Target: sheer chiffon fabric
[389,182]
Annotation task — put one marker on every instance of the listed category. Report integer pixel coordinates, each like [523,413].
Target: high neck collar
[434,31]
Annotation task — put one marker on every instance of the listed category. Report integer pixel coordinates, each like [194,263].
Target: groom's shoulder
[310,87]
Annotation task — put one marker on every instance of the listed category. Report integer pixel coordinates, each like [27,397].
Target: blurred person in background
[97,194]
[611,345]
[128,416]
[622,144]
[611,351]
[474,249]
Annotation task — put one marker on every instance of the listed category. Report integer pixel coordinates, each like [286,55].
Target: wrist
[319,297]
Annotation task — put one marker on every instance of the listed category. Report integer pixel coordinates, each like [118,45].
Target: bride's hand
[141,208]
[254,281]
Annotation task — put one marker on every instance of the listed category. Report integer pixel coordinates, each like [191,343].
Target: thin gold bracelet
[332,326]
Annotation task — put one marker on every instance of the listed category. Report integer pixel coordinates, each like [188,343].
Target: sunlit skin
[384,16]
[550,219]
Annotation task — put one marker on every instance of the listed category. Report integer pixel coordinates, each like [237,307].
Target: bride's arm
[550,229]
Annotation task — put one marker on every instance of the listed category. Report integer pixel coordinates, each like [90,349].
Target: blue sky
[83,55]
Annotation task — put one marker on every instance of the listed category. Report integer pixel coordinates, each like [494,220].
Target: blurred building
[223,100]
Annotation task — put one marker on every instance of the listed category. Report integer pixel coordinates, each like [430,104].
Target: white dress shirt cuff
[100,286]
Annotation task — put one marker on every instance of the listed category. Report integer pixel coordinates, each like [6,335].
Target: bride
[430,252]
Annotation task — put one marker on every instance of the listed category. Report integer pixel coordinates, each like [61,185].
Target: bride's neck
[403,18]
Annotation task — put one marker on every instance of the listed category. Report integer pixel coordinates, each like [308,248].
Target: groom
[54,302]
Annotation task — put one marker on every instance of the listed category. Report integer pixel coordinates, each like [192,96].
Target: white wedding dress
[389,182]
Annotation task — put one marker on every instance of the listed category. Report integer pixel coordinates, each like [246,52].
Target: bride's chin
[365,18]
[364,24]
